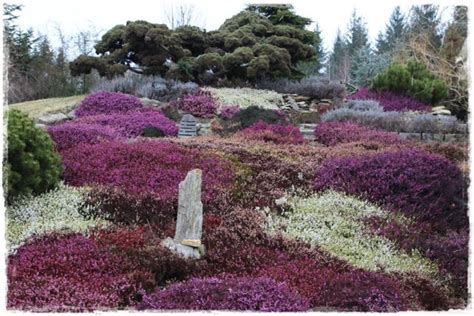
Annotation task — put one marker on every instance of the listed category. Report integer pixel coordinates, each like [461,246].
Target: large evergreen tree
[319,48]
[356,34]
[339,59]
[455,35]
[35,70]
[258,42]
[425,20]
[314,66]
[395,32]
[365,65]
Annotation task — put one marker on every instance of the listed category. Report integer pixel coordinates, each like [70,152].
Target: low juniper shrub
[253,114]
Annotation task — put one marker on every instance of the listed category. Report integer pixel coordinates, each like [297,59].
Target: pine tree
[314,67]
[395,32]
[339,59]
[357,34]
[455,34]
[425,19]
[319,48]
[365,65]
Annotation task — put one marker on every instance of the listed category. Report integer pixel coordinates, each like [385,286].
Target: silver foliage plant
[368,114]
[151,87]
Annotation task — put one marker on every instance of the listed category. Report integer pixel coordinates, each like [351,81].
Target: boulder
[151,102]
[54,118]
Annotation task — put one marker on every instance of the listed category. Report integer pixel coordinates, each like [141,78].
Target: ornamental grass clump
[273,133]
[199,103]
[56,210]
[143,173]
[227,293]
[333,221]
[70,134]
[391,101]
[333,133]
[425,186]
[64,273]
[107,103]
[134,122]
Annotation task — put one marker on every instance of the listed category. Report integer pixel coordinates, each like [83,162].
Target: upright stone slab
[187,126]
[187,239]
[189,222]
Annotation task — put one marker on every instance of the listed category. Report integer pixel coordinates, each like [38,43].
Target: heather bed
[365,221]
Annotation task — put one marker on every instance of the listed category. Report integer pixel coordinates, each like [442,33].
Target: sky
[46,16]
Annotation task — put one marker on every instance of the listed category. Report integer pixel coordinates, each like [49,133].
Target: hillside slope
[38,108]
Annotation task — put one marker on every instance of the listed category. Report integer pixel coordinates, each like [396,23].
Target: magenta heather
[420,184]
[333,133]
[227,293]
[145,169]
[390,101]
[106,103]
[71,134]
[132,123]
[199,103]
[69,273]
[275,133]
[228,111]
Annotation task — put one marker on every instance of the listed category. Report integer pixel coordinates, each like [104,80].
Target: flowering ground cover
[358,220]
[390,101]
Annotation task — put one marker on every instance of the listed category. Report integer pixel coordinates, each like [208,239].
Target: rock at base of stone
[195,243]
[185,251]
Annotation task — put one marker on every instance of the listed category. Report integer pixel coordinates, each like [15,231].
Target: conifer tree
[395,32]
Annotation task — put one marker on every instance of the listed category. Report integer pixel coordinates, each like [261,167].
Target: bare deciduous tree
[181,15]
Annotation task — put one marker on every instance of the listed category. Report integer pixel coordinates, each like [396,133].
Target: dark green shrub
[151,131]
[32,165]
[251,115]
[412,79]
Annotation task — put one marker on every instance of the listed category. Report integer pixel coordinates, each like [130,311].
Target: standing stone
[187,126]
[187,239]
[189,222]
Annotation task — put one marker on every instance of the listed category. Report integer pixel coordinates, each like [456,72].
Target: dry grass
[38,108]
